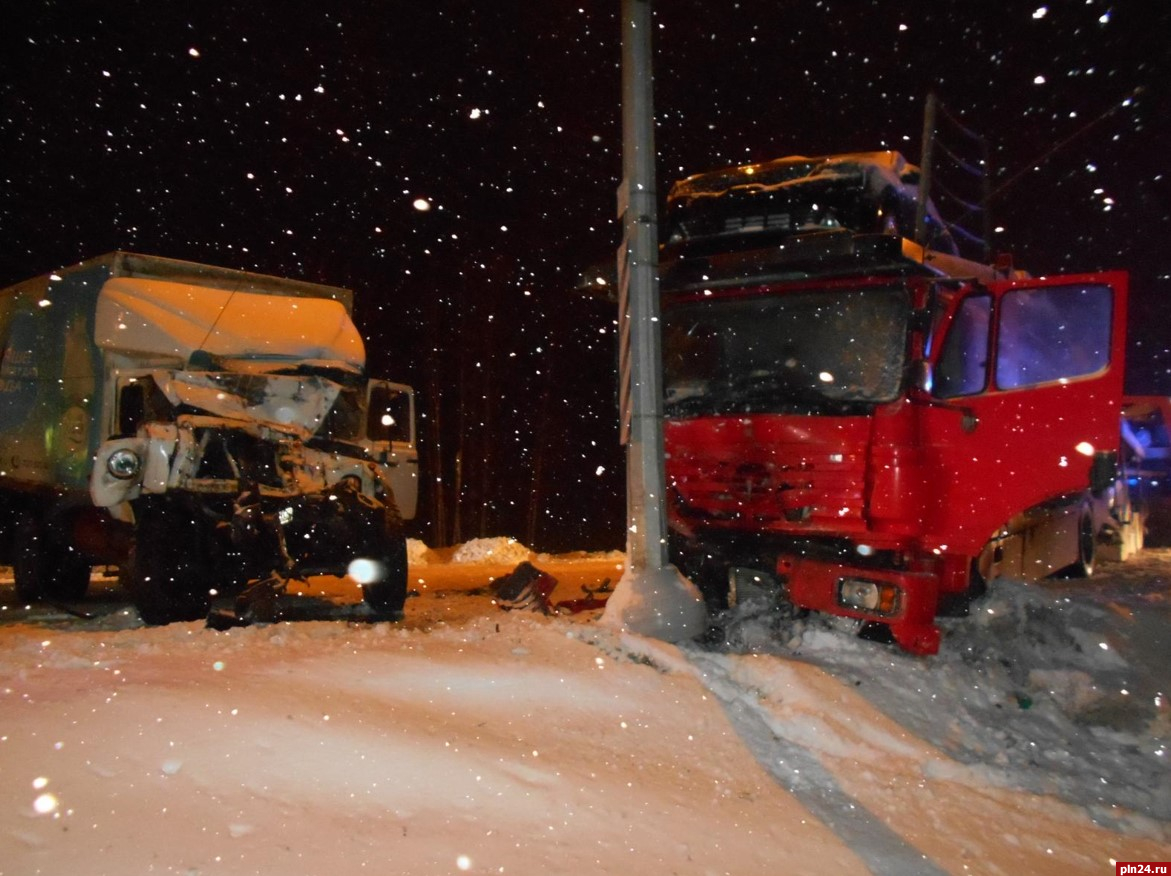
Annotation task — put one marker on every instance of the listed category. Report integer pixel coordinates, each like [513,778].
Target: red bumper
[910,614]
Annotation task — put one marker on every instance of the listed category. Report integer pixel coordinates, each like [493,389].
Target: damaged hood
[294,404]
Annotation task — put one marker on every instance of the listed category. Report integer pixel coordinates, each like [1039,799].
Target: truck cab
[875,428]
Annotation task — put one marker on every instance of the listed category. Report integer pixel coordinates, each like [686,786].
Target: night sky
[295,138]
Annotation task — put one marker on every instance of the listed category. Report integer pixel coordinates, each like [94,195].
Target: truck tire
[1083,566]
[707,570]
[387,596]
[43,569]
[168,572]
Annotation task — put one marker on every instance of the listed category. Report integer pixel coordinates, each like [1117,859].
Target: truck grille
[795,487]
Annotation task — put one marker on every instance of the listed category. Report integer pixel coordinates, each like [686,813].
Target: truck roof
[866,192]
[801,217]
[793,168]
[154,309]
[150,267]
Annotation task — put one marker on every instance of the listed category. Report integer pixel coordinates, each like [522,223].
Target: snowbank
[1058,676]
[506,745]
[418,554]
[492,550]
[470,739]
[500,550]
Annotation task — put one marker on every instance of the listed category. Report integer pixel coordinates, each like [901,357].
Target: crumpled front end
[213,456]
[256,460]
[817,507]
[259,505]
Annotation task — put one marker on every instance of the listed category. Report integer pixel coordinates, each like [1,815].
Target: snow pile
[661,603]
[502,550]
[1033,687]
[492,550]
[506,744]
[418,554]
[617,557]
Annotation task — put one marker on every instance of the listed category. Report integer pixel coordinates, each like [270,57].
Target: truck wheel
[167,573]
[387,596]
[1083,566]
[707,571]
[42,569]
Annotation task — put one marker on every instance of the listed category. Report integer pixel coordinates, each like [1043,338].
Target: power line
[1045,156]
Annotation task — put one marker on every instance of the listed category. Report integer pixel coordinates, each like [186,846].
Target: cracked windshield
[802,351]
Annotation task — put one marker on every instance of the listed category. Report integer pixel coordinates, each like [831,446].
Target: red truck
[872,427]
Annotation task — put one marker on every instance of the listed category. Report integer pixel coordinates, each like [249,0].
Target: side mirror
[921,376]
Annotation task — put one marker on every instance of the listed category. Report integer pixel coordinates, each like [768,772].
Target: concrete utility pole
[651,598]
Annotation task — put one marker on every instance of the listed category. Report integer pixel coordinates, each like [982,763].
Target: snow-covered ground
[471,739]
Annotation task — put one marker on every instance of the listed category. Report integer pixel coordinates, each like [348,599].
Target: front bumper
[904,600]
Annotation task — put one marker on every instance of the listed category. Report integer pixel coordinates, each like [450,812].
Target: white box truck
[201,428]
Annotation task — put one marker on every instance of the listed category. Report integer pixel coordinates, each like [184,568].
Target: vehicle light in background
[877,597]
[123,464]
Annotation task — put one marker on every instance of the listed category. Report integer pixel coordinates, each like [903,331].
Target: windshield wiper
[774,389]
[753,393]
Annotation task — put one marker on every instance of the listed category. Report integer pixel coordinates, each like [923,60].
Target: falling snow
[456,164]
[386,147]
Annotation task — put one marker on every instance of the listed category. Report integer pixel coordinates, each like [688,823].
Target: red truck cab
[877,429]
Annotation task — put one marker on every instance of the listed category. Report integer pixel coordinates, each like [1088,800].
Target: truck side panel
[50,380]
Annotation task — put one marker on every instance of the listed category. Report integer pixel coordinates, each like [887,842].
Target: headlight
[877,597]
[366,571]
[123,464]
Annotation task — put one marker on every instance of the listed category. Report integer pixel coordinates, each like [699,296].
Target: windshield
[344,420]
[824,351]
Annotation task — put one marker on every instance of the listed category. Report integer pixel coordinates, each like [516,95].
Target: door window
[390,414]
[1053,333]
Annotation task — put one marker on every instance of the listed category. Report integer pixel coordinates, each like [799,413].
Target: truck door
[1024,402]
[389,436]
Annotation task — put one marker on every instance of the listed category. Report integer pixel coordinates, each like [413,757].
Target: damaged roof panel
[144,316]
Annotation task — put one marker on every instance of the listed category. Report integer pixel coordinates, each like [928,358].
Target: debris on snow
[526,588]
